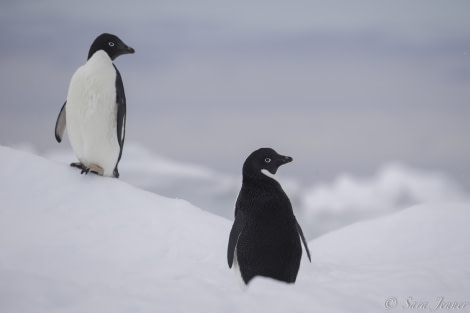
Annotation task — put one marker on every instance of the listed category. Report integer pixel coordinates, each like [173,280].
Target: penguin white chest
[91,113]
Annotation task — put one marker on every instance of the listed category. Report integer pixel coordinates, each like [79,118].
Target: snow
[393,188]
[76,243]
[322,207]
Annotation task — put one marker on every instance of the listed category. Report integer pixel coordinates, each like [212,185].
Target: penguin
[265,239]
[94,112]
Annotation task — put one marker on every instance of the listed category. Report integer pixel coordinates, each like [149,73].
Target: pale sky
[341,86]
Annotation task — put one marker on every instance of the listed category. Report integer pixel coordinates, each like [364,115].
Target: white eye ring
[267,160]
[111,44]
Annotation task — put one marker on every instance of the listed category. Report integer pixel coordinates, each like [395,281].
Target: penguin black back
[265,237]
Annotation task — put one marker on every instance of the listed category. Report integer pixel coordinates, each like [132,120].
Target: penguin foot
[96,169]
[78,165]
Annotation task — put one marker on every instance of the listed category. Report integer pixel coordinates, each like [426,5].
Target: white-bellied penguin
[94,112]
[265,239]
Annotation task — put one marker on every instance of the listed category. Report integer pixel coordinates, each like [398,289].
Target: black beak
[286,159]
[124,49]
[128,50]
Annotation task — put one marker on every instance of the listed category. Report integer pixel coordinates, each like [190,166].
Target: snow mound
[322,207]
[76,243]
[213,191]
[394,187]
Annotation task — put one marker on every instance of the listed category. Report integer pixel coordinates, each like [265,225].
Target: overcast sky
[342,86]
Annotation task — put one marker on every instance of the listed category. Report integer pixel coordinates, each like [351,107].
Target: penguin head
[264,161]
[111,44]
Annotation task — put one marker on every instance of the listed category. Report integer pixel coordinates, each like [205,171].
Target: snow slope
[76,243]
[322,207]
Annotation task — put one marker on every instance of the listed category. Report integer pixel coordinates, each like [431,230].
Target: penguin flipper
[120,116]
[299,230]
[60,124]
[237,229]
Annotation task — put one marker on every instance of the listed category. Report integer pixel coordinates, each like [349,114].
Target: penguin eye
[111,44]
[267,160]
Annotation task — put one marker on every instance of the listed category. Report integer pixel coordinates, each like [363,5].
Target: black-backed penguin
[265,239]
[95,110]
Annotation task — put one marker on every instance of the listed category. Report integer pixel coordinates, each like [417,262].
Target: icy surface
[76,243]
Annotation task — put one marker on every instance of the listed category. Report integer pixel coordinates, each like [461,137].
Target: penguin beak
[128,50]
[125,49]
[286,159]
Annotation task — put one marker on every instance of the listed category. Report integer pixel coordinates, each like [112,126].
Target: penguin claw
[78,165]
[95,169]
